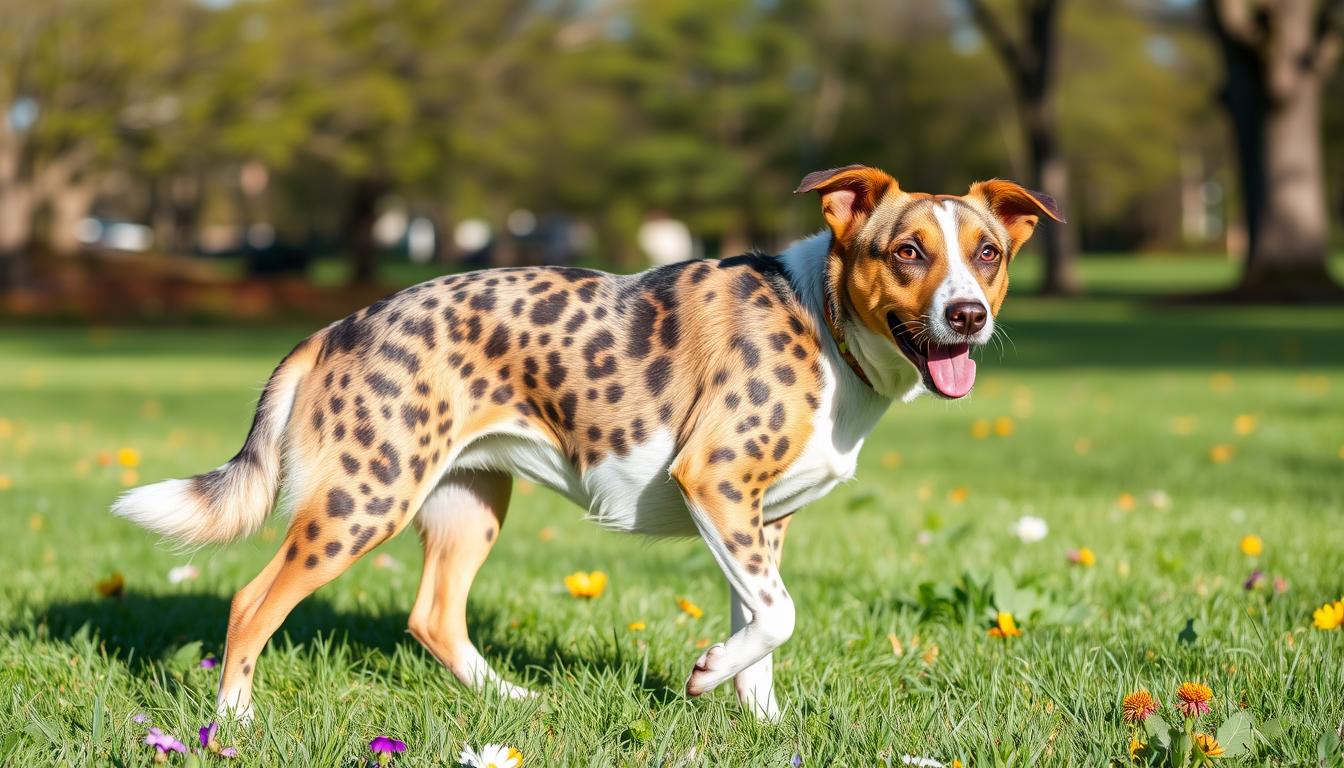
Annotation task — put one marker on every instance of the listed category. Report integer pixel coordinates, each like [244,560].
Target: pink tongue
[952,369]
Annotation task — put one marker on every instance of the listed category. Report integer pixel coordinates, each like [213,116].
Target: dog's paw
[708,671]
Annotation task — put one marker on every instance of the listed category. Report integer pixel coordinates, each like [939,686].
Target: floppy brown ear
[847,194]
[1016,206]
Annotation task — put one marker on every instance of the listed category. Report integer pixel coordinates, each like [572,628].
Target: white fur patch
[959,285]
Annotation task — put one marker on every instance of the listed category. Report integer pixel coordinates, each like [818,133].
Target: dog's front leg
[756,685]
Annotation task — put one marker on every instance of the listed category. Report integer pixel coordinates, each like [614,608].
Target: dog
[711,398]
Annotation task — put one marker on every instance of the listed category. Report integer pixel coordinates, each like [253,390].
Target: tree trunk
[17,202]
[360,217]
[1050,174]
[70,203]
[1275,64]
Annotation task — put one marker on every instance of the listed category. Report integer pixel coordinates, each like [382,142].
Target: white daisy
[491,756]
[1030,529]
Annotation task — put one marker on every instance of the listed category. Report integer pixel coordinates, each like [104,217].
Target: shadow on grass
[146,630]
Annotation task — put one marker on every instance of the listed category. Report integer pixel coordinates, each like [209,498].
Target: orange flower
[689,608]
[1208,745]
[589,585]
[1138,705]
[112,586]
[1194,699]
[1005,627]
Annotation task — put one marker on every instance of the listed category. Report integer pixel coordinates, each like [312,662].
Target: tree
[1030,58]
[1277,56]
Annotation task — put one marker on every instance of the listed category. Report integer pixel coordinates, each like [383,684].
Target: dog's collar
[839,335]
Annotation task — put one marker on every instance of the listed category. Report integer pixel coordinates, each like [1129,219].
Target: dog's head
[917,279]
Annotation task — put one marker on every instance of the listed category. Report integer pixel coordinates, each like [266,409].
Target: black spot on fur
[777,417]
[365,434]
[349,463]
[379,506]
[382,385]
[339,503]
[312,530]
[722,454]
[547,310]
[333,548]
[658,375]
[498,343]
[387,467]
[600,342]
[730,493]
[555,372]
[781,448]
[401,356]
[757,391]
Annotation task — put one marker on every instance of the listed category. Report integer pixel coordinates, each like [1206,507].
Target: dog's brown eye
[907,253]
[989,253]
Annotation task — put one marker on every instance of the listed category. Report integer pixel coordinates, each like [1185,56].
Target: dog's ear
[847,194]
[1016,206]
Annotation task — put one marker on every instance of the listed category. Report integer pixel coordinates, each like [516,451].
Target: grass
[1105,397]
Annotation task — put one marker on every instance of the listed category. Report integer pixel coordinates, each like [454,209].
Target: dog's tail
[234,500]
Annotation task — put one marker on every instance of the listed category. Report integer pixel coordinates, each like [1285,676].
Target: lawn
[1157,436]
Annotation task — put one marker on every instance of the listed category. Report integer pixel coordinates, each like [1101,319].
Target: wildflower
[891,460]
[384,746]
[1159,499]
[6,483]
[1280,585]
[1138,705]
[1194,699]
[1005,627]
[546,534]
[228,752]
[140,718]
[491,756]
[1244,424]
[163,744]
[980,429]
[128,458]
[1004,427]
[1252,545]
[208,742]
[130,477]
[958,495]
[796,761]
[1222,453]
[1125,501]
[1253,580]
[920,762]
[1083,556]
[636,626]
[1136,748]
[113,586]
[1030,529]
[386,562]
[183,573]
[209,662]
[590,585]
[689,608]
[1208,745]
[1330,615]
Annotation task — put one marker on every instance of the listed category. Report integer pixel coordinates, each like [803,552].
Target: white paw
[710,670]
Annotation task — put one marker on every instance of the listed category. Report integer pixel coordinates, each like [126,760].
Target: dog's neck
[818,278]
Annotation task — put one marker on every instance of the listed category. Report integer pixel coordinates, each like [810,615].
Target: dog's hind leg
[755,685]
[330,531]
[459,524]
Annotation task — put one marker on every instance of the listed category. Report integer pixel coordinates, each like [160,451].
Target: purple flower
[140,718]
[208,734]
[209,662]
[228,752]
[163,742]
[386,745]
[796,760]
[1253,580]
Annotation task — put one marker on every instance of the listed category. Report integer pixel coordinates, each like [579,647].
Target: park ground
[1156,435]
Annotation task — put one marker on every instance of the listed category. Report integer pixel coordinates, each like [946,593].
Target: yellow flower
[588,585]
[958,495]
[546,534]
[1083,556]
[1004,426]
[128,458]
[689,608]
[1244,424]
[980,429]
[1125,501]
[1222,453]
[6,483]
[1208,745]
[1136,747]
[636,626]
[1137,706]
[130,477]
[1005,627]
[891,460]
[1252,545]
[112,586]
[1220,382]
[514,754]
[1330,615]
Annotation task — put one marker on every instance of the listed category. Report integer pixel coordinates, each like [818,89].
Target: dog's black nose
[966,317]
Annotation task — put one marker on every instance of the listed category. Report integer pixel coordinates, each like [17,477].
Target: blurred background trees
[270,135]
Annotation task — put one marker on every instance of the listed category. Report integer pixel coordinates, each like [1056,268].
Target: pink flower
[209,662]
[164,744]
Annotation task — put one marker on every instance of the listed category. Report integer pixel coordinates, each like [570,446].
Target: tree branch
[1233,21]
[1326,40]
[992,28]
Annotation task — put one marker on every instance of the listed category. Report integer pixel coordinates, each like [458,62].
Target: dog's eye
[907,252]
[989,253]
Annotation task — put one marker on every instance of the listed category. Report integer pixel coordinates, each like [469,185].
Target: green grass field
[1125,437]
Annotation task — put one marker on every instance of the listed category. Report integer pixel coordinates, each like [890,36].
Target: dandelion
[980,429]
[1137,706]
[1194,699]
[163,744]
[1004,427]
[1252,545]
[636,626]
[128,458]
[1125,501]
[1005,626]
[958,495]
[113,586]
[1329,616]
[689,608]
[491,756]
[1244,424]
[1083,556]
[1222,453]
[1208,745]
[1030,529]
[383,747]
[6,482]
[589,585]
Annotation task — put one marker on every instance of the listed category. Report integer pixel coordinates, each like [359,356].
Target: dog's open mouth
[947,368]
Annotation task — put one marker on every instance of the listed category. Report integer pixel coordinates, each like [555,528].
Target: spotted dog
[711,398]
